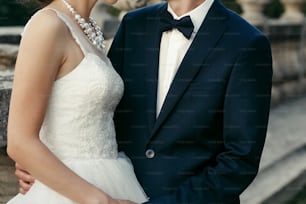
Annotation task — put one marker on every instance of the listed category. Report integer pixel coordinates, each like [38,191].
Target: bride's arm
[41,53]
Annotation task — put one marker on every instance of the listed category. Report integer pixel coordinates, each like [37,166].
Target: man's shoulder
[239,24]
[244,33]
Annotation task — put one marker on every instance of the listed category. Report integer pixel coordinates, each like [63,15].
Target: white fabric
[173,48]
[78,128]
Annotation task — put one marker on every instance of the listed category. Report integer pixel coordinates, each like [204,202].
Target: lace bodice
[79,119]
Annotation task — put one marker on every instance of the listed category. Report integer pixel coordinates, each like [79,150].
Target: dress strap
[77,34]
[75,31]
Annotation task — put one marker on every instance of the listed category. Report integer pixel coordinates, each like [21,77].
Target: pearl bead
[82,20]
[77,17]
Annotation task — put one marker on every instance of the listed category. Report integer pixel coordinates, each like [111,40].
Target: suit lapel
[152,47]
[205,41]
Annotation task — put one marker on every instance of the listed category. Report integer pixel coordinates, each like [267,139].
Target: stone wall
[8,53]
[4,102]
[8,182]
[289,63]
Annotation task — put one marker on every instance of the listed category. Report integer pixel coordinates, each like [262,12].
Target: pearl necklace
[91,29]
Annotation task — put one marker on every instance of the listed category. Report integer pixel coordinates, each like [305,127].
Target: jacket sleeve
[246,112]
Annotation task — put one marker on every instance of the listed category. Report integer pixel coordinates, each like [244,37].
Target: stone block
[8,181]
[10,34]
[5,95]
[8,54]
[276,95]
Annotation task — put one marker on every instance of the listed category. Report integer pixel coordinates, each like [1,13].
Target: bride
[61,114]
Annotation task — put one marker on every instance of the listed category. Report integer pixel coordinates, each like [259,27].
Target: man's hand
[122,202]
[25,179]
[111,200]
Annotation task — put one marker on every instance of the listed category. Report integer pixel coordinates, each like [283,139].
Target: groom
[194,115]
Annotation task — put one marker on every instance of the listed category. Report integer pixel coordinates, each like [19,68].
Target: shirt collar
[197,15]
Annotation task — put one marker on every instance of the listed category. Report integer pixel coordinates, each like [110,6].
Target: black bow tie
[184,25]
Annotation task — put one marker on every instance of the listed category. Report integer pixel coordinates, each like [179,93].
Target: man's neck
[181,7]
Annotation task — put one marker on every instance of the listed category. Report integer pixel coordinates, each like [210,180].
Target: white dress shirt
[173,48]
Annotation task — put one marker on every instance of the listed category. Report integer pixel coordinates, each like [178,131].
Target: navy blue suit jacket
[211,130]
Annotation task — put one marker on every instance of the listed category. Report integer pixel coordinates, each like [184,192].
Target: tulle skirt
[114,176]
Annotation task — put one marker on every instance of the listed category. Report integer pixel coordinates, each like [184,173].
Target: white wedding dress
[78,128]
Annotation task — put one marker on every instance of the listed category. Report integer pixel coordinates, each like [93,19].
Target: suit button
[150,154]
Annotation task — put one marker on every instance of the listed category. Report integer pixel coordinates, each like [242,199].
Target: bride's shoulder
[45,35]
[44,22]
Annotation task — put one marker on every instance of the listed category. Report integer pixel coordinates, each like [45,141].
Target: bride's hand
[125,202]
[25,179]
